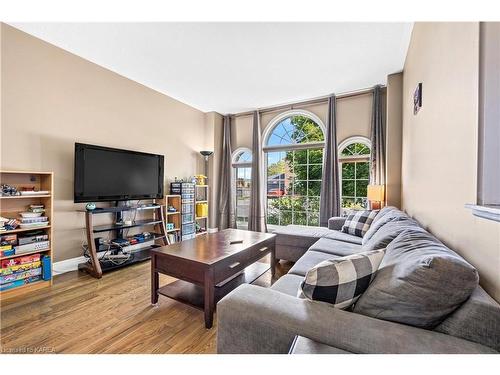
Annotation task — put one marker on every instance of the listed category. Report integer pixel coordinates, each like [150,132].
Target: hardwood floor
[80,314]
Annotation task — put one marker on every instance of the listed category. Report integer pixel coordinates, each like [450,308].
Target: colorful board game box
[19,268]
[21,282]
[21,275]
[7,253]
[20,260]
[10,239]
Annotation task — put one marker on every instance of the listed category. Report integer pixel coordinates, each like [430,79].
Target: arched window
[293,143]
[242,164]
[354,156]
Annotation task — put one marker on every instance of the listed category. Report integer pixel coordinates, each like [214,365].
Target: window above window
[242,157]
[355,149]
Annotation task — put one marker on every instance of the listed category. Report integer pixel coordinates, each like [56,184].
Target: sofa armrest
[336,222]
[253,319]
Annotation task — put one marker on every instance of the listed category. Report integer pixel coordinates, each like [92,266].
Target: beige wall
[440,144]
[52,99]
[353,119]
[393,139]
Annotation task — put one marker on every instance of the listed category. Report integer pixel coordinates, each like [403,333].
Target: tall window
[354,155]
[294,153]
[242,164]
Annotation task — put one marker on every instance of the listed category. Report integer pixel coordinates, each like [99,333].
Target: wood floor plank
[80,314]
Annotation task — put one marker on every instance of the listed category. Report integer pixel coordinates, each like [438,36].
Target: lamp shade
[375,193]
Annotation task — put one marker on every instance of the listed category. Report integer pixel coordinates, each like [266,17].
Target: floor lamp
[206,155]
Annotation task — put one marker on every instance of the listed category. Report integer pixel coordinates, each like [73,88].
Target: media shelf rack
[95,266]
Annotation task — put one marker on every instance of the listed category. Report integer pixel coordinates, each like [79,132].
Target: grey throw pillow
[358,222]
[420,282]
[340,281]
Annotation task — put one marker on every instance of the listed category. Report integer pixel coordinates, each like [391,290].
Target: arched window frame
[353,158]
[268,131]
[236,155]
[355,139]
[298,146]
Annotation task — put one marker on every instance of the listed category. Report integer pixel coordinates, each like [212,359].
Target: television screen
[110,174]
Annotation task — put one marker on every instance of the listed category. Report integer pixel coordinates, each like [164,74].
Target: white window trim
[276,120]
[291,147]
[354,139]
[235,165]
[236,153]
[353,158]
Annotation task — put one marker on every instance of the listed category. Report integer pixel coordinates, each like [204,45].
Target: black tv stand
[94,266]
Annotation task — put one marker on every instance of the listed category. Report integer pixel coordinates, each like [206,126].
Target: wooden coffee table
[210,266]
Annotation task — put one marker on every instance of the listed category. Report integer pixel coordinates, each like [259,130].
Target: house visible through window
[242,163]
[354,155]
[294,154]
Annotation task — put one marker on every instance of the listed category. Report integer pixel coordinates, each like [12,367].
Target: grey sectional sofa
[425,298]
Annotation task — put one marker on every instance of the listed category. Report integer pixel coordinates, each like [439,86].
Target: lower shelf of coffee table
[192,294]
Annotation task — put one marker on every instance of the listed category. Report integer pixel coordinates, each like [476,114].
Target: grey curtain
[257,215]
[227,205]
[377,156]
[330,191]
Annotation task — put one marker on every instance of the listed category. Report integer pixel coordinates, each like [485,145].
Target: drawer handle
[263,249]
[236,264]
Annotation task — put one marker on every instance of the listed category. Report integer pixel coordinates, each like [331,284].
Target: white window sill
[485,212]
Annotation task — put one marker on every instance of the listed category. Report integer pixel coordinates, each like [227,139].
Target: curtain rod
[319,100]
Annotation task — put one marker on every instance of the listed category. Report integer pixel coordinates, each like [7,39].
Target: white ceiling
[234,67]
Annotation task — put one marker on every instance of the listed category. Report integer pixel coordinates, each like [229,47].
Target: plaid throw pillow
[358,222]
[341,281]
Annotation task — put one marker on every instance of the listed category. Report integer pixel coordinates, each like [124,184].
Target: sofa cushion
[341,236]
[384,211]
[383,217]
[358,222]
[308,261]
[389,232]
[335,247]
[420,282]
[477,320]
[341,281]
[299,235]
[288,284]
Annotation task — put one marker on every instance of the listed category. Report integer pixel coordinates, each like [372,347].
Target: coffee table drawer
[239,261]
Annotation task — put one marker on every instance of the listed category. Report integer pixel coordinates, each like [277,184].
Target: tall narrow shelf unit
[12,206]
[201,208]
[187,192]
[173,218]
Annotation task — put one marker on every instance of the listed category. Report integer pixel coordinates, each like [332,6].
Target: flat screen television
[104,174]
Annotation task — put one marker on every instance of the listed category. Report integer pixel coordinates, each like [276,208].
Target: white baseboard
[67,265]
